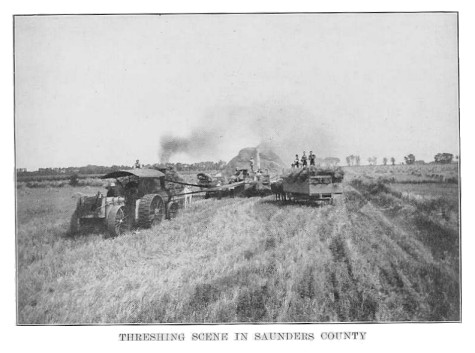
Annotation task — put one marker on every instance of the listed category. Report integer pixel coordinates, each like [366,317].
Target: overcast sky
[105,89]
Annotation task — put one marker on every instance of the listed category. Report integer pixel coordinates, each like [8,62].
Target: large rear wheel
[117,222]
[151,210]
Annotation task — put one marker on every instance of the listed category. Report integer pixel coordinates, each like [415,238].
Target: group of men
[302,162]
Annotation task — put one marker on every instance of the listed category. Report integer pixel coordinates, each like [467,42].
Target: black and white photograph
[237,168]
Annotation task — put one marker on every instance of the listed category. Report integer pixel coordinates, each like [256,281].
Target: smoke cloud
[198,143]
[222,132]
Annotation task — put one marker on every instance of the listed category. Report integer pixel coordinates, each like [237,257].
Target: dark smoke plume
[198,143]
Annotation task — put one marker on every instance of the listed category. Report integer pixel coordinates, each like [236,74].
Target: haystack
[268,160]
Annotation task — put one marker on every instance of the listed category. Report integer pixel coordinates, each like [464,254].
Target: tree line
[439,158]
[99,170]
[351,160]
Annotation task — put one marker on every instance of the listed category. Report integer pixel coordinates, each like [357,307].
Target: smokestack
[258,158]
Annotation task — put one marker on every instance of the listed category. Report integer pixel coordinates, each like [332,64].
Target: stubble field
[386,251]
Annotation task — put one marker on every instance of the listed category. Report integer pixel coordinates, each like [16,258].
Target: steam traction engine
[137,198]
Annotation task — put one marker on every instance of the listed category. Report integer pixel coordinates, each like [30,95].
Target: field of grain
[408,174]
[379,254]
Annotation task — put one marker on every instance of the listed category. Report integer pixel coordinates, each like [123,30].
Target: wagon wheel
[117,222]
[337,200]
[151,211]
[172,210]
[75,224]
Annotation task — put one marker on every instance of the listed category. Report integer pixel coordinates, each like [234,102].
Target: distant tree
[350,160]
[221,164]
[410,159]
[372,160]
[319,161]
[358,160]
[332,161]
[385,161]
[74,180]
[393,160]
[443,158]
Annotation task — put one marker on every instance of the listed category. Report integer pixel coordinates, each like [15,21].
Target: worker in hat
[311,156]
[111,189]
[304,160]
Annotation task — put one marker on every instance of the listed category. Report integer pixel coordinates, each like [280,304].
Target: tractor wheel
[151,210]
[117,222]
[172,210]
[75,224]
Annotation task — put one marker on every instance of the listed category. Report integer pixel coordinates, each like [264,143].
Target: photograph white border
[380,337]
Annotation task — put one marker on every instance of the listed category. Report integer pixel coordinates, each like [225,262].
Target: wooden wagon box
[313,186]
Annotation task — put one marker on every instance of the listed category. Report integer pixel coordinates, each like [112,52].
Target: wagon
[317,188]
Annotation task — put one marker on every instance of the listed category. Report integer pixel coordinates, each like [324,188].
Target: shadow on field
[248,306]
[428,286]
[284,204]
[441,240]
[89,227]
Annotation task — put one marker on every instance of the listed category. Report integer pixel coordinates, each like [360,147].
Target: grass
[96,182]
[59,181]
[239,260]
[407,174]
[447,192]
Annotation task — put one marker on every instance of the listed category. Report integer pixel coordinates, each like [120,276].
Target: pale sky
[104,89]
